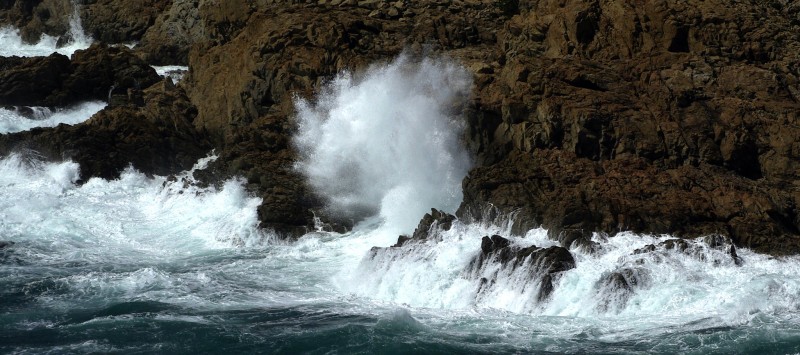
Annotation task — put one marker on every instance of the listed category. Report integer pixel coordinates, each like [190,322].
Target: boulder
[614,289]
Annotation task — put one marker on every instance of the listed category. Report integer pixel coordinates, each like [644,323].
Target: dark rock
[543,265]
[91,74]
[115,21]
[34,18]
[401,240]
[493,243]
[32,81]
[156,137]
[441,220]
[616,288]
[6,244]
[714,242]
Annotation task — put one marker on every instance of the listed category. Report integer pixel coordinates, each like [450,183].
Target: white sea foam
[137,214]
[16,119]
[175,72]
[701,289]
[11,43]
[387,143]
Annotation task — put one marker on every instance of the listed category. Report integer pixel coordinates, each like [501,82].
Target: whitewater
[160,264]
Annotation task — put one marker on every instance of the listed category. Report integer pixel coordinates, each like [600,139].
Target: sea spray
[387,143]
[699,286]
[143,216]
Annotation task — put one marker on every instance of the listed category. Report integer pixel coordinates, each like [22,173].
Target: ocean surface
[148,265]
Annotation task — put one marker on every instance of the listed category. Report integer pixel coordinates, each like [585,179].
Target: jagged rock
[493,244]
[543,265]
[55,80]
[442,220]
[34,18]
[718,242]
[433,222]
[114,21]
[31,81]
[598,116]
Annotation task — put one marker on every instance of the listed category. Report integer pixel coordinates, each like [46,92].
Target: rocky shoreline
[586,116]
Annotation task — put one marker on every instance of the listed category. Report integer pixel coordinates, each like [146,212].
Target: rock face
[611,115]
[587,115]
[113,21]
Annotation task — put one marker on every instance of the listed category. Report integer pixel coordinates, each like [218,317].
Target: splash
[387,143]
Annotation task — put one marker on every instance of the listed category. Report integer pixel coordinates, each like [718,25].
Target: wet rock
[155,137]
[32,81]
[430,225]
[435,219]
[694,249]
[530,265]
[597,116]
[55,80]
[616,288]
[34,18]
[494,243]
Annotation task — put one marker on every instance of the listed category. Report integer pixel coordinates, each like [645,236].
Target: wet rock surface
[538,266]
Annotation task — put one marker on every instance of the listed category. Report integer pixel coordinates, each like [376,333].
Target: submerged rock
[616,288]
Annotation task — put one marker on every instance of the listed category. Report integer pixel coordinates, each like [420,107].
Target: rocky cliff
[586,116]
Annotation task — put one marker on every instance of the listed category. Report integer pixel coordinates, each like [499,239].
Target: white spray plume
[387,143]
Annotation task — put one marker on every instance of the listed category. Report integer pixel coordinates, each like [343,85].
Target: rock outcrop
[610,116]
[527,267]
[154,136]
[92,74]
[34,18]
[114,21]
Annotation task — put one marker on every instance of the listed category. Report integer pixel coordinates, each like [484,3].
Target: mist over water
[387,142]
